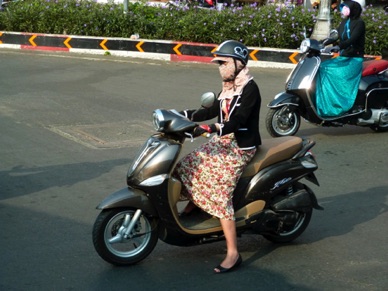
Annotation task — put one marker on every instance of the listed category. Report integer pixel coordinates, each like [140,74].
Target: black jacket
[352,32]
[243,117]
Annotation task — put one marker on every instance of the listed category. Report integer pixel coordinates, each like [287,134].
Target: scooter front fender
[128,197]
[284,98]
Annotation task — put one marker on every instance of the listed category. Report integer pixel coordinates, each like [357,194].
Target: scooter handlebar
[330,50]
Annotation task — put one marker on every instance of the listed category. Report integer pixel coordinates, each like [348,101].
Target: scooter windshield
[170,121]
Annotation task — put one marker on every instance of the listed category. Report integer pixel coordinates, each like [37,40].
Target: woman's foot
[189,209]
[220,269]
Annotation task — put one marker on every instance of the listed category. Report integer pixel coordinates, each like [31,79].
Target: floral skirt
[210,174]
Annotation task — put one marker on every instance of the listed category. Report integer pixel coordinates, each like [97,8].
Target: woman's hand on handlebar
[331,49]
[204,130]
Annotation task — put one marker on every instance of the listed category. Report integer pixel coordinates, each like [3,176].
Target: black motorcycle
[269,199]
[299,100]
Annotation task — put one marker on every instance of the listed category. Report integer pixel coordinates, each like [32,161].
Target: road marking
[252,55]
[176,49]
[138,46]
[106,135]
[102,44]
[292,58]
[31,40]
[66,42]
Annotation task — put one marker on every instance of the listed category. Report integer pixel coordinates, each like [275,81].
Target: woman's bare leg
[189,207]
[229,229]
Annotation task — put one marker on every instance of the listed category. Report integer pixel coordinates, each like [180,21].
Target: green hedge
[261,26]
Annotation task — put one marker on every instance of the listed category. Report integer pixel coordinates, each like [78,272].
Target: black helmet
[234,49]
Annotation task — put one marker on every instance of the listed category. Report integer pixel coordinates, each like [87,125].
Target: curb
[173,51]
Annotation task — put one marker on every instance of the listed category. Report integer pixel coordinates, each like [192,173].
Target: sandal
[224,270]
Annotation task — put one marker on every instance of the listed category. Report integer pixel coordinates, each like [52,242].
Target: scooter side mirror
[333,34]
[304,32]
[207,99]
[333,37]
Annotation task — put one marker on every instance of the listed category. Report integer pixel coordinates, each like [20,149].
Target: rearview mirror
[207,99]
[333,34]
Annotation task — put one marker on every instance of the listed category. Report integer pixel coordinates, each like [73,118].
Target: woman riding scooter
[338,78]
[210,173]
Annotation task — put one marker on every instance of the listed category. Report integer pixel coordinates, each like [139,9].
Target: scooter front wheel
[124,236]
[282,121]
[378,128]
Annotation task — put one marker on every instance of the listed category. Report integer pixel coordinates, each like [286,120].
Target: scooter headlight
[158,120]
[305,45]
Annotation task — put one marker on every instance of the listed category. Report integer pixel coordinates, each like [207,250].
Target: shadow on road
[335,131]
[21,181]
[64,256]
[344,212]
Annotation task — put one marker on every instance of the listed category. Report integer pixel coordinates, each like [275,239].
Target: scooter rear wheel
[112,245]
[282,121]
[289,234]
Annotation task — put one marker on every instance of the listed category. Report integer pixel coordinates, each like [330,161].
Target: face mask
[227,70]
[345,11]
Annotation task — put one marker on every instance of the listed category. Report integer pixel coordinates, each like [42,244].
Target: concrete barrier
[174,51]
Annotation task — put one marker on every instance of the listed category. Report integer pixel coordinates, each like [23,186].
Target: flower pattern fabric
[210,174]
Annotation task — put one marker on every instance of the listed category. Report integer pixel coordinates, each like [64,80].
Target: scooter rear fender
[313,198]
[284,98]
[128,197]
[312,178]
[278,177]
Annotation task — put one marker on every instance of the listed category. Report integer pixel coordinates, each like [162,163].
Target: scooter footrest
[264,221]
[201,221]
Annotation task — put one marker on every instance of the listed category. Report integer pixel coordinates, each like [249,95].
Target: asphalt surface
[70,126]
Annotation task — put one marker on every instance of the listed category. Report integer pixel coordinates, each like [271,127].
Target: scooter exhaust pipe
[298,201]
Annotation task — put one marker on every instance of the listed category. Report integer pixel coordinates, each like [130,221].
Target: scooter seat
[273,151]
[374,67]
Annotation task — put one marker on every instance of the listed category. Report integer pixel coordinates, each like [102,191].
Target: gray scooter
[269,200]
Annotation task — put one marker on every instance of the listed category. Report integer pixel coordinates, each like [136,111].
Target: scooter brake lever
[190,136]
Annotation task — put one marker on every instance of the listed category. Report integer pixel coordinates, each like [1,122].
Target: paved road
[70,124]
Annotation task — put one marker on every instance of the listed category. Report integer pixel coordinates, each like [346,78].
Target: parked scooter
[195,3]
[4,4]
[299,100]
[269,198]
